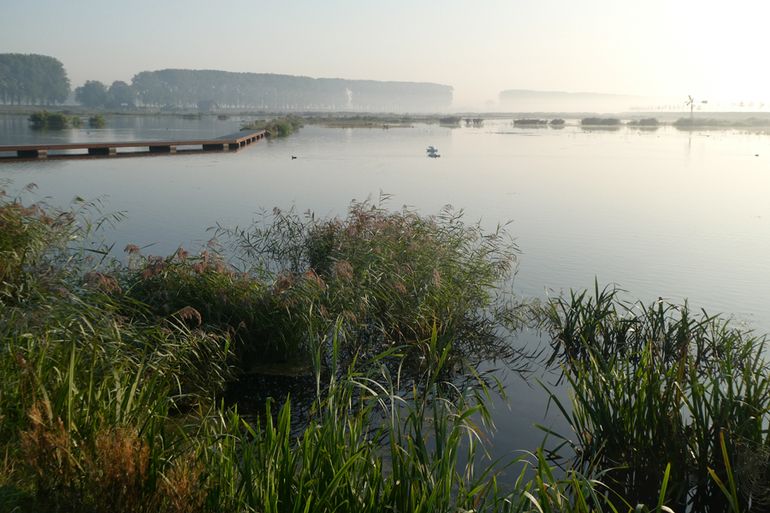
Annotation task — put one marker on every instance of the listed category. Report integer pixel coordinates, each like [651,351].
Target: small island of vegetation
[44,120]
[608,122]
[698,122]
[276,127]
[645,122]
[530,122]
[97,121]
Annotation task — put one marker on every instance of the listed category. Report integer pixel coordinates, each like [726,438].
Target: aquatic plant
[450,120]
[644,122]
[658,385]
[49,120]
[113,378]
[529,122]
[600,122]
[369,120]
[391,276]
[97,121]
[277,127]
[269,321]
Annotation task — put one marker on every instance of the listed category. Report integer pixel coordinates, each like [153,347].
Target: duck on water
[432,152]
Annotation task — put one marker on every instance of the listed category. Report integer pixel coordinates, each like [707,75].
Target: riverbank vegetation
[97,121]
[644,123]
[699,122]
[276,127]
[661,390]
[611,122]
[364,121]
[530,122]
[44,120]
[116,375]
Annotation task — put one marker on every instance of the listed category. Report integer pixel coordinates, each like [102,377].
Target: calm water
[661,213]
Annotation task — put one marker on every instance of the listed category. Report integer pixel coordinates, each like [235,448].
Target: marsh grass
[113,377]
[51,120]
[392,276]
[657,386]
[276,127]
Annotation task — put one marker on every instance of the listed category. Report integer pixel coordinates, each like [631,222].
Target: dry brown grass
[110,474]
[182,489]
[47,451]
[117,471]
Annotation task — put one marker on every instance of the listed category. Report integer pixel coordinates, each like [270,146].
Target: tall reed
[658,385]
[113,378]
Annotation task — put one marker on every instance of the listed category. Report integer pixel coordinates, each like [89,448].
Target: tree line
[93,93]
[32,79]
[39,79]
[267,91]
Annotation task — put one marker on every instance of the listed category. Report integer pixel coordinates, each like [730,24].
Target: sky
[669,48]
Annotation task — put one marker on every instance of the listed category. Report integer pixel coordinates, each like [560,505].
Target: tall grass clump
[97,121]
[51,120]
[392,276]
[114,375]
[370,446]
[41,246]
[366,448]
[86,390]
[270,321]
[659,385]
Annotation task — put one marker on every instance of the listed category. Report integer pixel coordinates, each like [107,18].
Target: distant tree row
[39,79]
[95,94]
[32,79]
[196,88]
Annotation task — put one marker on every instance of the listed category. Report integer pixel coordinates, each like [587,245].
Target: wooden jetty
[230,142]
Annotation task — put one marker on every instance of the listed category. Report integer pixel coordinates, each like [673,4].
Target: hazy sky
[651,47]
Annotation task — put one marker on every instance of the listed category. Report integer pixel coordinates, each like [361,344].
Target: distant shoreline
[340,119]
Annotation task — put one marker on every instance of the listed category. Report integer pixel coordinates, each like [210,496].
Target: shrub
[277,127]
[97,121]
[600,122]
[529,122]
[49,120]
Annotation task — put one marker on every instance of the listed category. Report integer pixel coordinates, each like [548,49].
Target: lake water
[662,213]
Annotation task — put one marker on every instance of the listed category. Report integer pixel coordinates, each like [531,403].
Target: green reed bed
[113,376]
[658,386]
[112,373]
[392,276]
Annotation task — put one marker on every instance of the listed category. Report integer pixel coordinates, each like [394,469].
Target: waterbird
[293,157]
